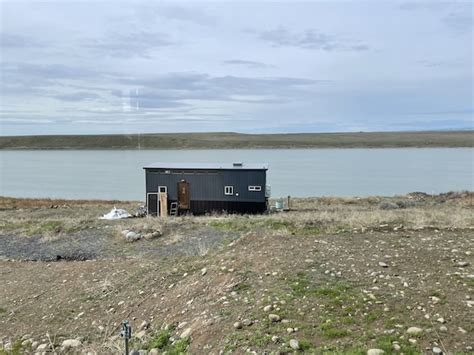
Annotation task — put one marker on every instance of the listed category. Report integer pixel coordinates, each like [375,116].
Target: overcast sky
[247,66]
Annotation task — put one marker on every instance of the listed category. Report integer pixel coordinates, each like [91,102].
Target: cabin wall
[208,185]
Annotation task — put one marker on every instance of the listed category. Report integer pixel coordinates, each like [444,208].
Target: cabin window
[163,189]
[255,188]
[228,190]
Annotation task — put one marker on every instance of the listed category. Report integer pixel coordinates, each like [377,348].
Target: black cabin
[204,188]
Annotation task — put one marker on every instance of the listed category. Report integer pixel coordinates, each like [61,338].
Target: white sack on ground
[116,213]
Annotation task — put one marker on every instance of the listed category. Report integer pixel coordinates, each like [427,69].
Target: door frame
[188,195]
[157,203]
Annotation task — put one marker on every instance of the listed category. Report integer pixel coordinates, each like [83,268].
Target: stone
[186,334]
[443,328]
[141,334]
[247,322]
[145,325]
[290,330]
[375,352]
[382,264]
[70,343]
[437,350]
[396,347]
[132,236]
[42,347]
[203,271]
[463,263]
[294,344]
[275,338]
[268,308]
[274,317]
[238,325]
[441,320]
[154,351]
[464,331]
[414,331]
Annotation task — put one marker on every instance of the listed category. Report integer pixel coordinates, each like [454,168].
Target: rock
[154,351]
[275,338]
[382,264]
[414,330]
[463,263]
[396,347]
[464,331]
[34,345]
[375,352]
[294,344]
[274,317]
[247,322]
[441,320]
[42,347]
[132,236]
[412,341]
[125,232]
[268,308]
[141,334]
[437,350]
[290,330]
[70,343]
[203,271]
[186,334]
[443,328]
[238,325]
[145,325]
[152,235]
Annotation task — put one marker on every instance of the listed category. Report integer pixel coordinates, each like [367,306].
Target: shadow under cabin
[178,188]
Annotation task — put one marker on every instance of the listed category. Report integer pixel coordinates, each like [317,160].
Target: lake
[110,174]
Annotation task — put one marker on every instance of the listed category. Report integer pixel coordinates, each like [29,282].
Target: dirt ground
[330,276]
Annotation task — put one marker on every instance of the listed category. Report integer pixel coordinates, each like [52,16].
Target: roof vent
[238,165]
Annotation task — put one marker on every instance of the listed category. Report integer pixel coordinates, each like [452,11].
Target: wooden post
[288,204]
[163,204]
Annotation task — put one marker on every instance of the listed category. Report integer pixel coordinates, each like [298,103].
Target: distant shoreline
[181,141]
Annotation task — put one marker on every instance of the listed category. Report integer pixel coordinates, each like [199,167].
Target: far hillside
[238,140]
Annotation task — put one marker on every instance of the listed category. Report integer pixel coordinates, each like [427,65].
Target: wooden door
[183,195]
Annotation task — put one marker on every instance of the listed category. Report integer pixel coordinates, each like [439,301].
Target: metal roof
[207,166]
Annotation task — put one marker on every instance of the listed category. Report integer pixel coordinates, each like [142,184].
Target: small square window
[255,188]
[228,190]
[163,189]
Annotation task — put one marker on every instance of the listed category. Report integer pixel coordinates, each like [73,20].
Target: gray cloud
[245,63]
[129,44]
[11,41]
[310,39]
[78,96]
[459,22]
[181,87]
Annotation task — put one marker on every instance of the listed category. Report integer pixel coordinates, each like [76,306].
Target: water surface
[112,174]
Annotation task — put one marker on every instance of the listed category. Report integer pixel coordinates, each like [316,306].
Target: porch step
[174,209]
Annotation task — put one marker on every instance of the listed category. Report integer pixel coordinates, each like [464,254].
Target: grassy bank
[336,275]
[236,140]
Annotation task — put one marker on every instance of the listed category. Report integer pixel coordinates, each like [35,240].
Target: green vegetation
[162,341]
[237,140]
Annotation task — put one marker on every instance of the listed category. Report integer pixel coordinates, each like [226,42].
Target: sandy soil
[342,275]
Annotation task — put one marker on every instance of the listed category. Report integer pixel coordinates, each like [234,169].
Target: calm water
[302,172]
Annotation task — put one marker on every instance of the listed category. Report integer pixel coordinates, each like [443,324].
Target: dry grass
[12,203]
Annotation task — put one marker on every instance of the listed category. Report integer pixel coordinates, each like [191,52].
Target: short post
[163,204]
[126,334]
[288,203]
